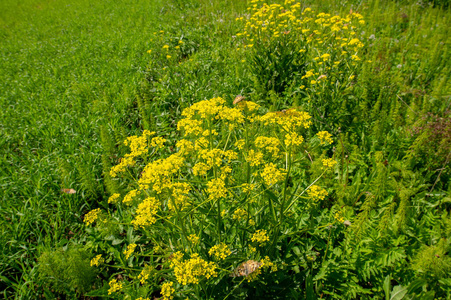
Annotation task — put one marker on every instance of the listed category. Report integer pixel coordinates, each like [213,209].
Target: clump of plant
[432,145]
[315,55]
[221,207]
[67,271]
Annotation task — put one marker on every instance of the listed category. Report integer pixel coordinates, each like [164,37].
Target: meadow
[225,149]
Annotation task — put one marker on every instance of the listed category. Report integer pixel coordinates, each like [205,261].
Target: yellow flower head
[113,198]
[130,249]
[92,216]
[194,269]
[167,291]
[114,286]
[97,260]
[220,251]
[325,137]
[260,236]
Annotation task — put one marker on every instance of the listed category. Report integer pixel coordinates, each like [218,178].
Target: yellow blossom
[328,162]
[130,249]
[272,175]
[97,260]
[114,286]
[167,291]
[146,212]
[325,137]
[194,269]
[260,236]
[145,273]
[158,142]
[239,214]
[216,189]
[194,239]
[317,193]
[92,216]
[255,158]
[220,251]
[113,198]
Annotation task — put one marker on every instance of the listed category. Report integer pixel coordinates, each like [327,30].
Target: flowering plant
[229,193]
[312,57]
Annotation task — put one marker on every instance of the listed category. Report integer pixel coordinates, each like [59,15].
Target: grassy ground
[66,67]
[77,79]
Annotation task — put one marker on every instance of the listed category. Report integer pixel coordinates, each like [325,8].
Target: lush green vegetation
[79,77]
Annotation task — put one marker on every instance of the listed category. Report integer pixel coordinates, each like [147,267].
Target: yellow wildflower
[220,251]
[324,137]
[194,239]
[272,175]
[114,286]
[216,189]
[145,273]
[254,158]
[113,198]
[194,269]
[158,142]
[92,216]
[260,236]
[97,260]
[328,162]
[239,214]
[130,249]
[317,193]
[146,212]
[167,291]
[130,195]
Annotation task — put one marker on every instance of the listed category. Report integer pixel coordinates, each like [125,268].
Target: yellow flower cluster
[194,239]
[220,251]
[157,173]
[246,187]
[146,212]
[113,198]
[97,260]
[272,175]
[267,263]
[130,249]
[145,273]
[185,147]
[179,196]
[254,158]
[130,195]
[92,216]
[239,214]
[290,120]
[304,31]
[317,193]
[325,137]
[167,291]
[114,286]
[216,189]
[192,270]
[138,147]
[339,217]
[293,139]
[271,144]
[260,236]
[208,110]
[158,142]
[329,162]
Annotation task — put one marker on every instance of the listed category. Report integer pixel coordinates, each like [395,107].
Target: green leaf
[387,287]
[398,292]
[310,294]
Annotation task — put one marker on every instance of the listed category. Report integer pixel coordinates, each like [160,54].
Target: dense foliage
[226,149]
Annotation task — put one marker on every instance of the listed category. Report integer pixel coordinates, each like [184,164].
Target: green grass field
[79,77]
